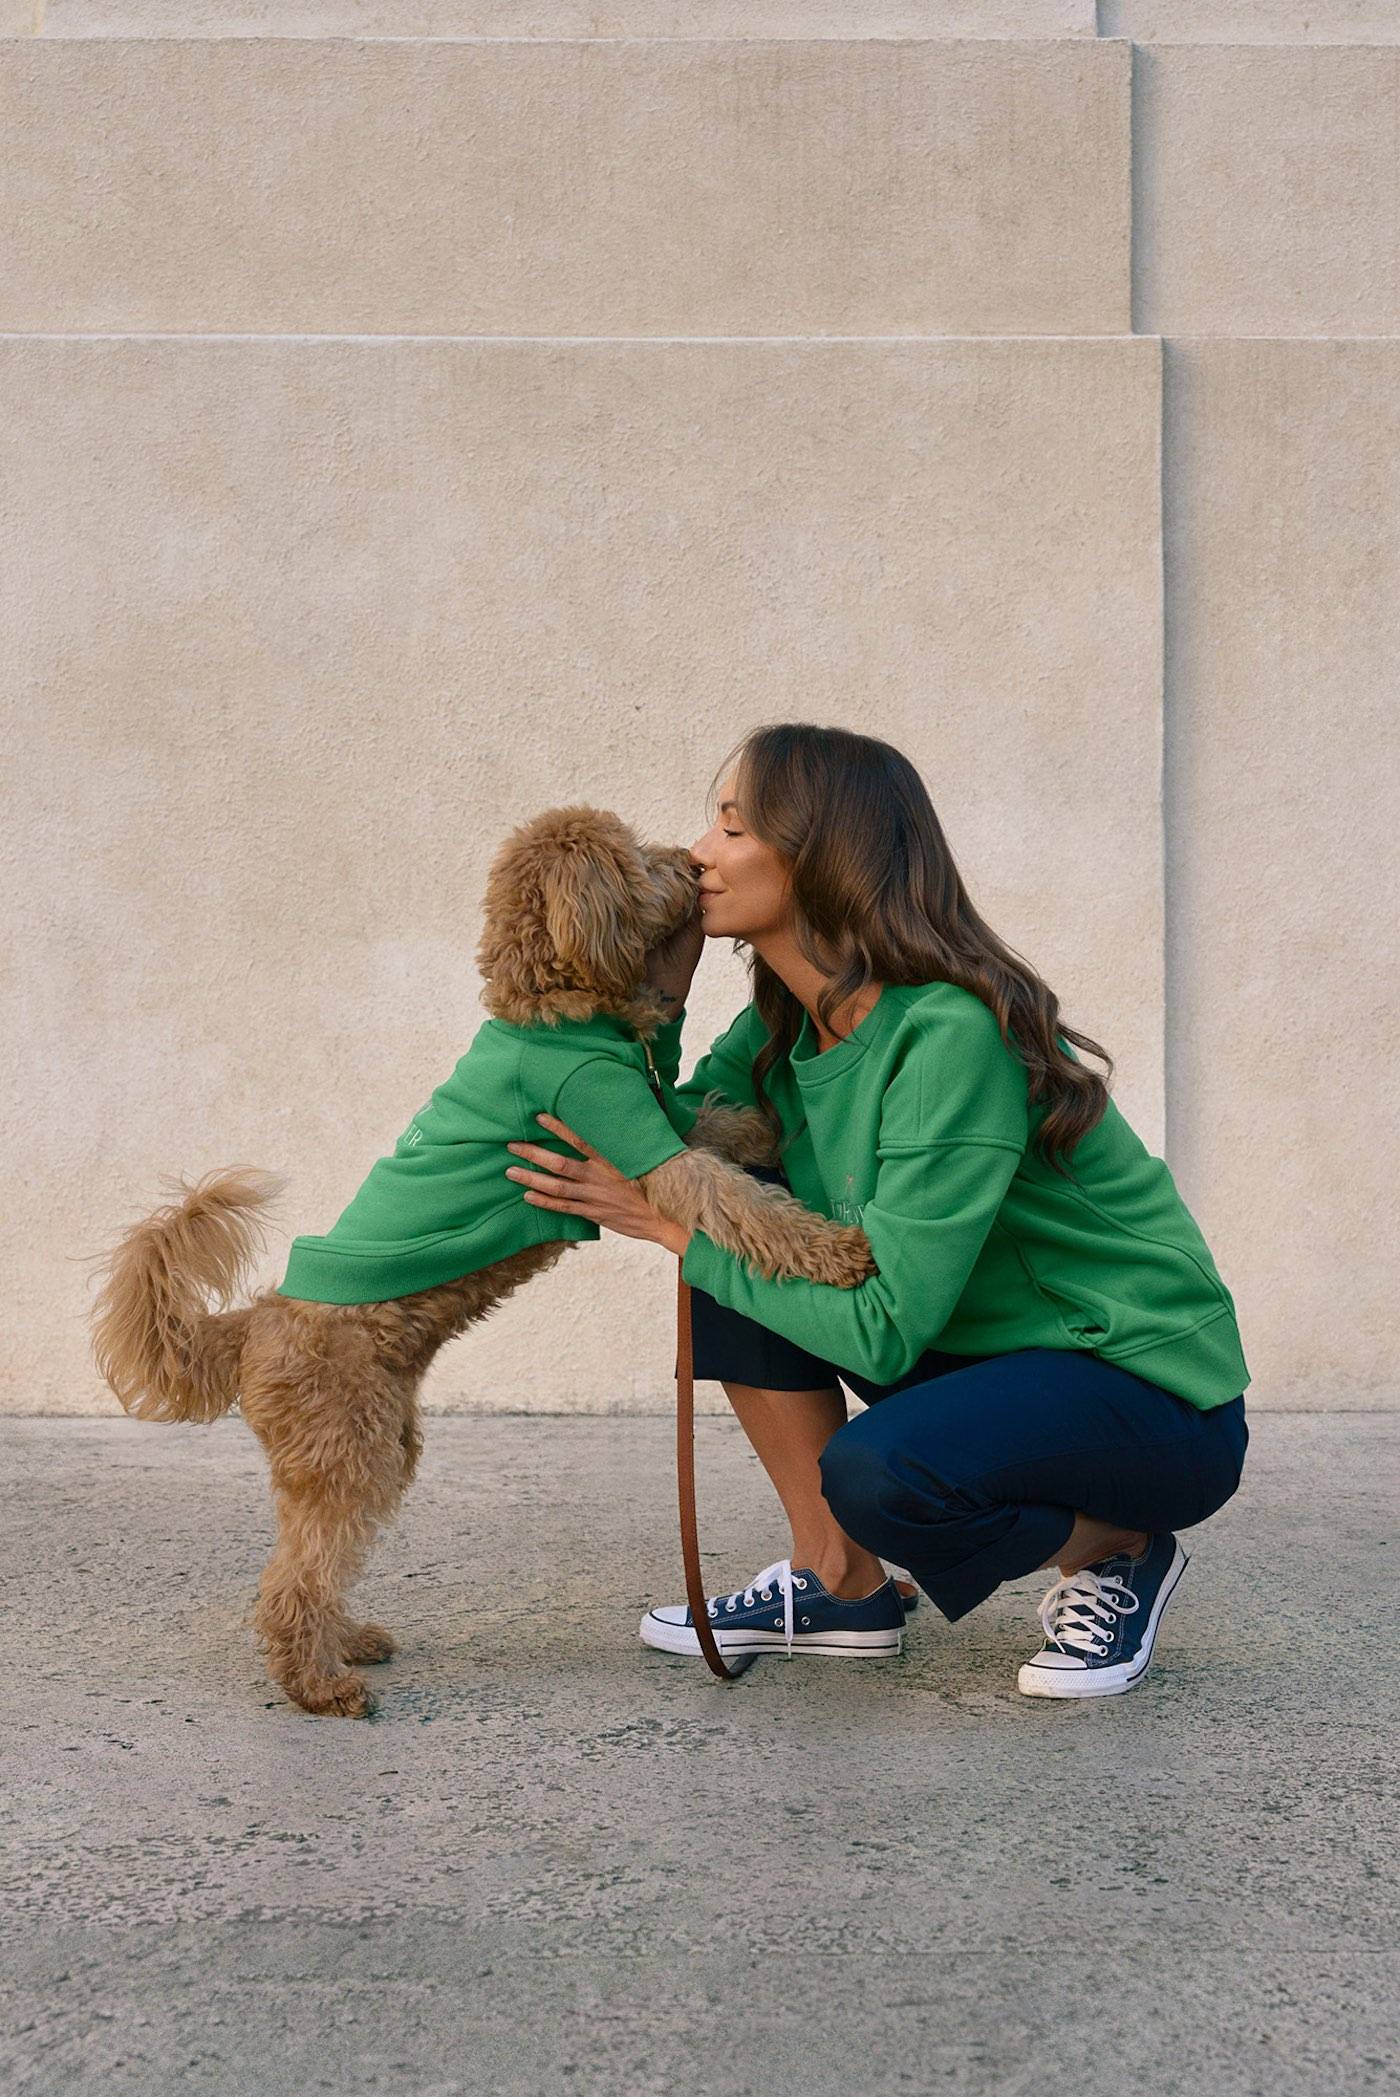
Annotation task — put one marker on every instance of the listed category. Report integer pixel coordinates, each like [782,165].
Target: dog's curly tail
[159,1347]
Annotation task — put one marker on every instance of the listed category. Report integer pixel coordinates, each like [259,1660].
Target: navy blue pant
[970,1469]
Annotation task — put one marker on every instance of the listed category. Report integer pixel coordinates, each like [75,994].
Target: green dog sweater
[917,1126]
[439,1205]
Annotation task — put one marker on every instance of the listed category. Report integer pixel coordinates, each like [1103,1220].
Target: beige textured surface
[1283,548]
[523,1878]
[1250,21]
[745,19]
[1268,190]
[575,189]
[296,627]
[1145,21]
[306,626]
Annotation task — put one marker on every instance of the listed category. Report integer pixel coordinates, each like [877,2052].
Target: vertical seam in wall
[1108,23]
[1166,810]
[1165,800]
[1164,713]
[1135,86]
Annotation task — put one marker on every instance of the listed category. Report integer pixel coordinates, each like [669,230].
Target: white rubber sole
[1033,1681]
[831,1645]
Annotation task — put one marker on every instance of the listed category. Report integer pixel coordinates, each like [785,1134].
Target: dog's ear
[591,890]
[562,933]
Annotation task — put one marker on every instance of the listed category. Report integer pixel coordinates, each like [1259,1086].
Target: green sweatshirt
[917,1127]
[439,1205]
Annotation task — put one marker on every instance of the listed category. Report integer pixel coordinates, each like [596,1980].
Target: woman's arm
[954,1123]
[726,1067]
[927,1222]
[669,971]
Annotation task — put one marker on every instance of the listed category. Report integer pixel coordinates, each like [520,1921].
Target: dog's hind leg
[339,1467]
[370,1643]
[331,1392]
[323,1538]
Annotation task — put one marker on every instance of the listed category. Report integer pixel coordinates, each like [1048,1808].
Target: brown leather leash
[685,1484]
[685,1463]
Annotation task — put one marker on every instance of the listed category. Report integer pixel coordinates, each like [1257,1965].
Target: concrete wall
[424,414]
[649,20]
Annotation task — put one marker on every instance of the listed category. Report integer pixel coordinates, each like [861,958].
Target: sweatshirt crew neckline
[812,1066]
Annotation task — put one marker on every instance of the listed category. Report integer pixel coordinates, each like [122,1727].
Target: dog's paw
[841,1257]
[738,1134]
[333,1696]
[368,1644]
[352,1698]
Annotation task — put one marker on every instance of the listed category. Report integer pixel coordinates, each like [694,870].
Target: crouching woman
[1050,1360]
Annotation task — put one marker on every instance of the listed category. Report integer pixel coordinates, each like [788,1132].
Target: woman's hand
[591,1187]
[670,965]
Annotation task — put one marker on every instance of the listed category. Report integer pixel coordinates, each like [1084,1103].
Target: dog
[574,904]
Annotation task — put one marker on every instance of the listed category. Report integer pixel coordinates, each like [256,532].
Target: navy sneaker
[1101,1623]
[902,1581]
[789,1611]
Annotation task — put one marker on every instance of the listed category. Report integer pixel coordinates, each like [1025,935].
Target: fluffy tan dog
[574,903]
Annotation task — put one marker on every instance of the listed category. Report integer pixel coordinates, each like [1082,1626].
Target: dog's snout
[675,859]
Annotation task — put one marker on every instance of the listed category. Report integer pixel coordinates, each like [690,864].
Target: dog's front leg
[738,1133]
[765,1225]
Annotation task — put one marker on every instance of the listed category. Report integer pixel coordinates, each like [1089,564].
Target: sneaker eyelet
[799,1583]
[767,1594]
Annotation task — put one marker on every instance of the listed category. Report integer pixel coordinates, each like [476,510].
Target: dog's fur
[574,902]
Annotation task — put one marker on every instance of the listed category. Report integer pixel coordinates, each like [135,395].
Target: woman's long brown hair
[877,898]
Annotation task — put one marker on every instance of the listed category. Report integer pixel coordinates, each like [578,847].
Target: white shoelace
[760,1588]
[1083,1608]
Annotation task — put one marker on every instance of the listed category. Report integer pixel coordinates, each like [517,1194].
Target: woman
[1084,1399]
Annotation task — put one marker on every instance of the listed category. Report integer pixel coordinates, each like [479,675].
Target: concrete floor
[558,1862]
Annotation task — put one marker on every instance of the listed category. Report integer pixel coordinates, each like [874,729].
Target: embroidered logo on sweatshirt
[848,1209]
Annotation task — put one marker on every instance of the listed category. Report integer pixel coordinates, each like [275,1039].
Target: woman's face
[743,883]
